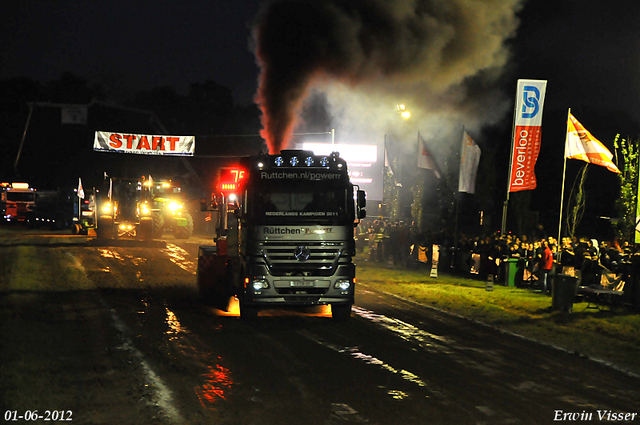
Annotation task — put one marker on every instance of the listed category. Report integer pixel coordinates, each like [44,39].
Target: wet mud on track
[134,345]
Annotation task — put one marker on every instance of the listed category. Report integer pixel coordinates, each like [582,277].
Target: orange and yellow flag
[582,145]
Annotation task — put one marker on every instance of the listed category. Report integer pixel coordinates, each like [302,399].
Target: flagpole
[80,209]
[503,228]
[384,166]
[564,172]
[457,235]
[79,192]
[635,232]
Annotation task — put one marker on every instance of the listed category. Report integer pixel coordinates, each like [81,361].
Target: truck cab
[17,201]
[284,231]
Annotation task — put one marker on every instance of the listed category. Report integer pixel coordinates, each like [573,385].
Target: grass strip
[609,336]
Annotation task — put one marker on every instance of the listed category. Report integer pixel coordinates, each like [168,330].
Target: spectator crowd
[539,258]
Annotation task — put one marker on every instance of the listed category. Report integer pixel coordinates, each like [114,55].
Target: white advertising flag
[425,160]
[80,189]
[387,163]
[469,160]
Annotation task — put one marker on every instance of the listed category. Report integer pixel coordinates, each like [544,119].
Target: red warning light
[231,179]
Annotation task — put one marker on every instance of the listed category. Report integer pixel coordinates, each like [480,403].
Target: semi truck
[63,209]
[17,201]
[284,234]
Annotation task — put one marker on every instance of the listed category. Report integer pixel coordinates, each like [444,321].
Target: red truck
[17,201]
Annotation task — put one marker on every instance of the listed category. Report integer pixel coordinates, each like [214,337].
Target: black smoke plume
[435,44]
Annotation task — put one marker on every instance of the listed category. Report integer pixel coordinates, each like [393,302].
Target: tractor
[168,211]
[125,211]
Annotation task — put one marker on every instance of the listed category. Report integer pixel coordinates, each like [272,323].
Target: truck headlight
[106,207]
[342,284]
[259,284]
[144,209]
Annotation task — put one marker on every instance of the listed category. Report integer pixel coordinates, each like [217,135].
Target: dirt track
[115,334]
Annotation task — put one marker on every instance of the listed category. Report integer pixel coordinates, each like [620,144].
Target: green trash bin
[563,292]
[513,271]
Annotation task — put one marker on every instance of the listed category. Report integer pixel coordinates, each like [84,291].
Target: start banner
[526,134]
[144,144]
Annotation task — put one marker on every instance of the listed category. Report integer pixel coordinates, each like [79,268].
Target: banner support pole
[457,198]
[564,173]
[503,228]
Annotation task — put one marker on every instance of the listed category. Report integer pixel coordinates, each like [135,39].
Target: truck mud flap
[214,278]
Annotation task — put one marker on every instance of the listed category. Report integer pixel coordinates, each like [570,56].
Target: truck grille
[322,258]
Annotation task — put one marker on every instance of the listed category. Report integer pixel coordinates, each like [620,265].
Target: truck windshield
[126,190]
[165,191]
[21,196]
[311,202]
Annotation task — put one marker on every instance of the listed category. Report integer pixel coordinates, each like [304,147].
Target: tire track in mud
[162,396]
[122,267]
[138,268]
[138,287]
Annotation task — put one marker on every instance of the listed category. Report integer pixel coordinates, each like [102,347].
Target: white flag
[469,160]
[387,163]
[425,160]
[389,168]
[110,185]
[80,189]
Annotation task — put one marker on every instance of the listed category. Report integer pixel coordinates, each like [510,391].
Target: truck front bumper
[296,300]
[264,289]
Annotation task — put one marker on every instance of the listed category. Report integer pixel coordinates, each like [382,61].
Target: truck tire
[158,224]
[184,232]
[145,230]
[213,279]
[214,299]
[57,223]
[248,312]
[105,228]
[31,223]
[341,312]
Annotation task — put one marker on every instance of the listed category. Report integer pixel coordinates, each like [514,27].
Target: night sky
[131,45]
[589,51]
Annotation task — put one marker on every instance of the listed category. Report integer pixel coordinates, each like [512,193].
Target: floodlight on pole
[402,110]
